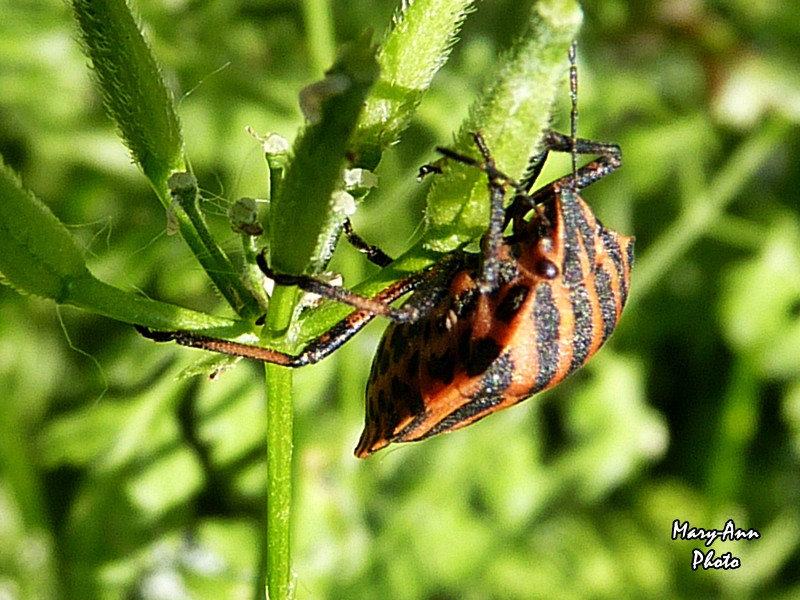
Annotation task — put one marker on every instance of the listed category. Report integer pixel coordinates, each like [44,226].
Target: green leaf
[39,256]
[512,114]
[414,50]
[133,90]
[37,253]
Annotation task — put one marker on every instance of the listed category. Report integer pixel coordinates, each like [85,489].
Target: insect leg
[373,253]
[314,351]
[378,305]
[555,141]
[317,349]
[375,306]
[532,171]
[493,238]
[609,160]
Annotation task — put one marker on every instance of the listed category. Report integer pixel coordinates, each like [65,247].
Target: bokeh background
[121,480]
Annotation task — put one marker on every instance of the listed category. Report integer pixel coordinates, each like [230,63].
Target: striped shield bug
[480,331]
[508,323]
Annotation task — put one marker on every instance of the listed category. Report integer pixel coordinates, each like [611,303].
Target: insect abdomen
[575,313]
[497,350]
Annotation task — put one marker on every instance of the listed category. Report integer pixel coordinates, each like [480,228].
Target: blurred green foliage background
[120,480]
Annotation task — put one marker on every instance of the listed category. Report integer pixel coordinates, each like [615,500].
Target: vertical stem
[277,545]
[298,214]
[279,482]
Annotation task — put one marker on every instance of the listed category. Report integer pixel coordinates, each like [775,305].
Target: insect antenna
[573,113]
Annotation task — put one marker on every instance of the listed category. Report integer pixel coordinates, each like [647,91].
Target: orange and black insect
[516,320]
[480,332]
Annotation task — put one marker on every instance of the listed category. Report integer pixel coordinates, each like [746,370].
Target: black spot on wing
[441,367]
[398,341]
[380,409]
[490,393]
[383,359]
[426,331]
[482,353]
[408,396]
[463,344]
[382,402]
[412,368]
[400,389]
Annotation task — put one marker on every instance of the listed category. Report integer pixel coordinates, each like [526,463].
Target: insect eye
[546,268]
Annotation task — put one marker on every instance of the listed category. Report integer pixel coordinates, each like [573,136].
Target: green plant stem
[184,191]
[212,258]
[277,544]
[299,212]
[279,484]
[93,295]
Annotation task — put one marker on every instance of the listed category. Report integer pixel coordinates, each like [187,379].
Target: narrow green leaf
[39,256]
[93,295]
[133,90]
[37,253]
[414,49]
[511,114]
